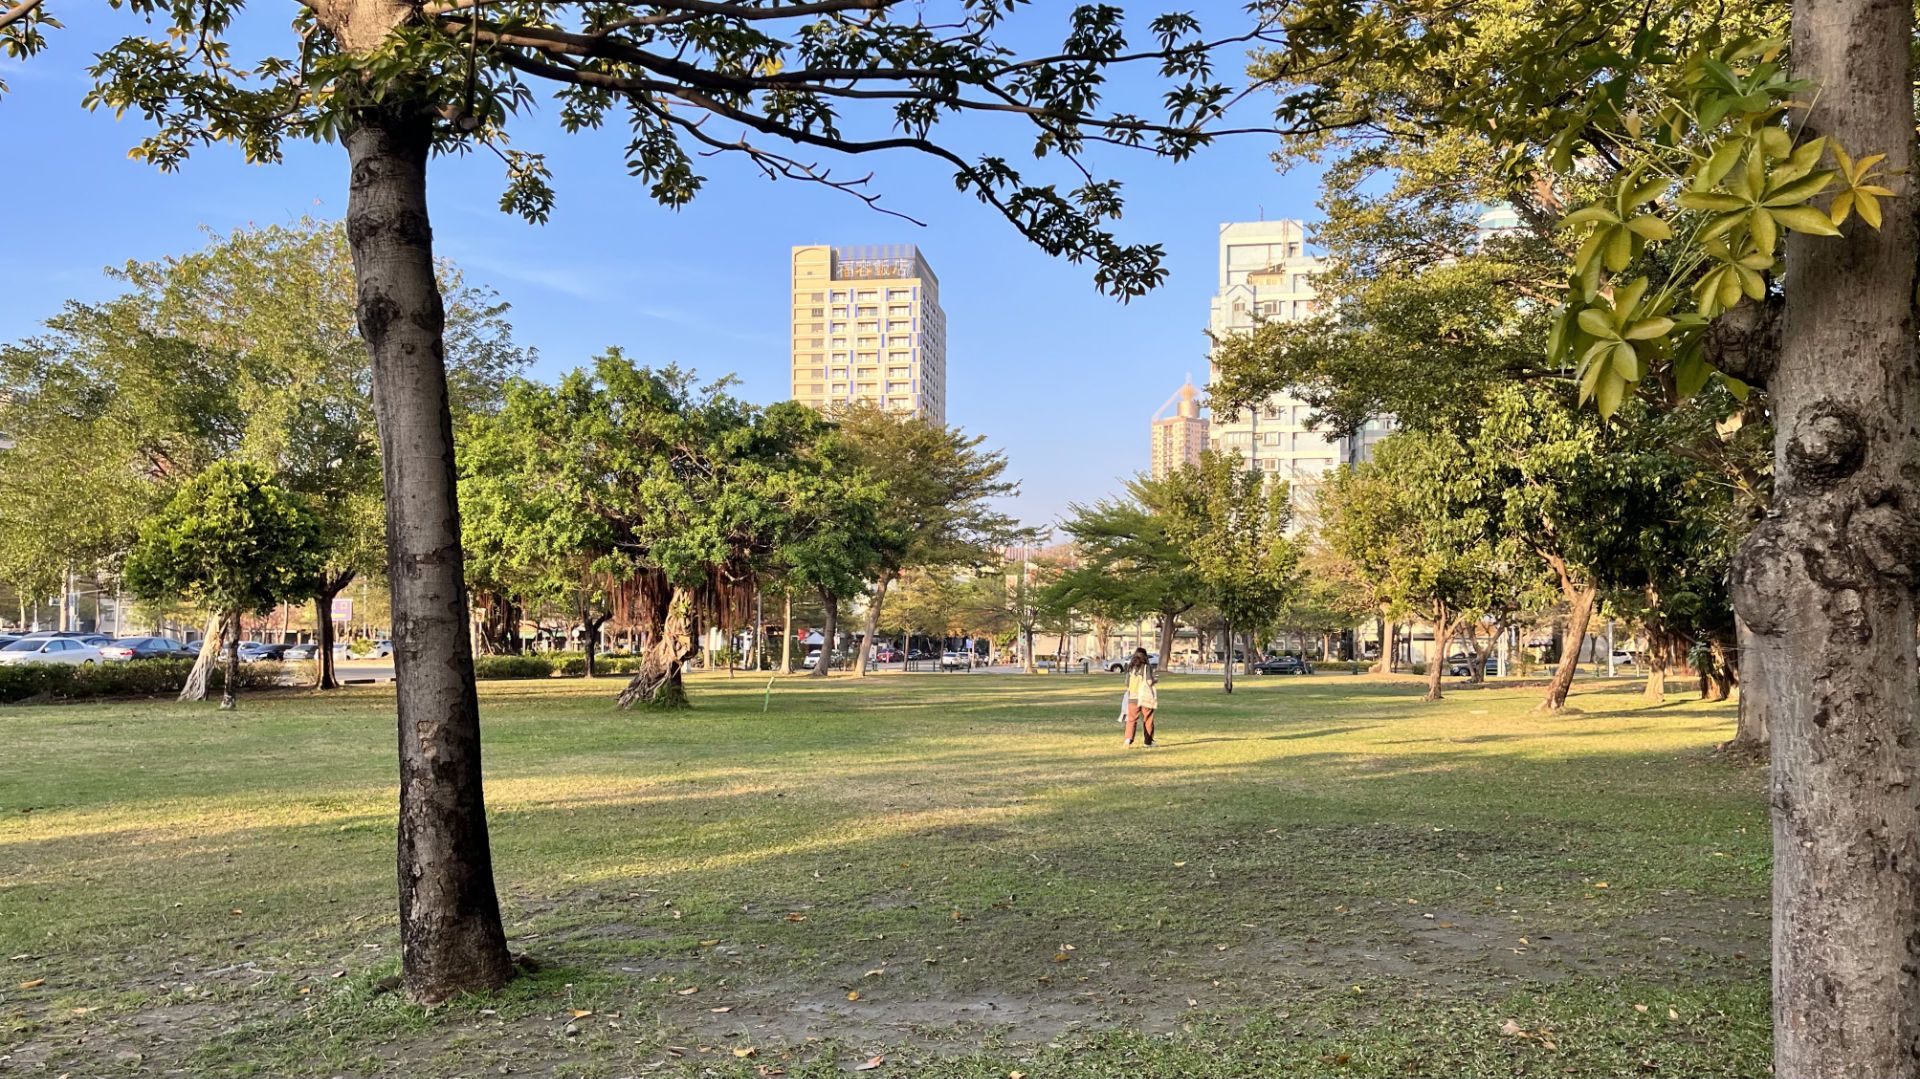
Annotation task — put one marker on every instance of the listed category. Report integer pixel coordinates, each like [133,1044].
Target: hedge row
[549,664]
[142,678]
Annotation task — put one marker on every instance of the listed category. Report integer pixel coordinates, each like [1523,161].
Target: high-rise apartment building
[867,326]
[1266,275]
[1179,436]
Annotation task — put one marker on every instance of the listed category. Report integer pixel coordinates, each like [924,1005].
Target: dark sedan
[127,648]
[1283,665]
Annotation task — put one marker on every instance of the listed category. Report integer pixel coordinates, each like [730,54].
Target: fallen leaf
[854,995]
[1512,1029]
[1671,1014]
[1060,957]
[721,1011]
[1639,1007]
[1178,865]
[749,1051]
[236,910]
[708,943]
[581,1013]
[1599,884]
[1016,1075]
[305,989]
[1548,1043]
[876,972]
[796,916]
[688,991]
[339,974]
[34,984]
[872,1063]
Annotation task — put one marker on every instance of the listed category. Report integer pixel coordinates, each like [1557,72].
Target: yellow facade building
[867,326]
[1179,436]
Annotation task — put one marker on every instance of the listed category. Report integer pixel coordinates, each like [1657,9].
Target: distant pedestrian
[1142,696]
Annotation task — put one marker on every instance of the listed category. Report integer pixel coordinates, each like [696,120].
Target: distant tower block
[1180,435]
[867,326]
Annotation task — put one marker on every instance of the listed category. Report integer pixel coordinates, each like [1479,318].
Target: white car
[50,650]
[956,661]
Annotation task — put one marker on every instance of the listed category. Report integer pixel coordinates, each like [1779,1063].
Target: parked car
[1623,658]
[1461,666]
[303,650]
[886,653]
[956,661]
[50,650]
[1283,665]
[1117,666]
[131,648]
[256,652]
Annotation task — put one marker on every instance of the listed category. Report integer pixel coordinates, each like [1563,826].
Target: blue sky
[1061,378]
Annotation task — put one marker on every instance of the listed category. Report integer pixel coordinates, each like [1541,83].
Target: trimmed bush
[139,678]
[500,667]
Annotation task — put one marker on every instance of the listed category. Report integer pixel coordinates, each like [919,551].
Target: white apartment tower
[867,326]
[1266,275]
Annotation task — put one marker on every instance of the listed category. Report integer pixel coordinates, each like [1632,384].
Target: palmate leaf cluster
[794,88]
[1705,163]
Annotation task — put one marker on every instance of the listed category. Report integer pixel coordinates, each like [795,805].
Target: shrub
[141,678]
[497,667]
[1418,668]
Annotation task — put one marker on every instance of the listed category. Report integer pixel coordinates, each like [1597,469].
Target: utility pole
[1609,648]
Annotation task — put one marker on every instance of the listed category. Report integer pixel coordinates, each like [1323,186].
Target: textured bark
[1826,584]
[451,938]
[196,687]
[661,682]
[1756,695]
[324,674]
[824,664]
[1169,622]
[1660,648]
[1445,625]
[1580,602]
[1384,632]
[1477,652]
[1226,658]
[590,639]
[1716,682]
[230,664]
[873,622]
[786,646]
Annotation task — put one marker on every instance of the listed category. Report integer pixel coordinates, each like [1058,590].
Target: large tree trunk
[1443,628]
[824,664]
[786,646]
[451,940]
[1383,632]
[230,664]
[873,622]
[1660,646]
[1826,583]
[1226,658]
[661,682]
[590,639]
[1716,682]
[324,674]
[1169,623]
[1476,652]
[1580,602]
[196,687]
[1756,695]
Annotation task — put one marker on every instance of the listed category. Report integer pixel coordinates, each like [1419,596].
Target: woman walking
[1142,698]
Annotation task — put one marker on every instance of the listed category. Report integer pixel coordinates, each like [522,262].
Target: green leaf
[1649,227]
[1806,219]
[1589,215]
[1690,372]
[1649,329]
[1608,394]
[1596,322]
[1800,190]
[1711,200]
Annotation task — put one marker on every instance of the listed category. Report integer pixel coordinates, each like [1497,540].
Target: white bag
[1123,707]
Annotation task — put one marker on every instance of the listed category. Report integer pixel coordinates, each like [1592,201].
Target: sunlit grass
[1280,847]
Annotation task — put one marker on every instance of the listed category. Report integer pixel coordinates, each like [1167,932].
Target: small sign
[343,608]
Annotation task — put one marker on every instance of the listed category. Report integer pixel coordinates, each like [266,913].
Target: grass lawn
[956,875]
